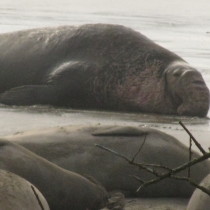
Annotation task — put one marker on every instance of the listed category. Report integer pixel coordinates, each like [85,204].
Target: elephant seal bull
[63,190]
[73,148]
[18,193]
[98,66]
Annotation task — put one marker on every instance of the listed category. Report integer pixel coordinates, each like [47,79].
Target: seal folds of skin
[97,66]
[62,189]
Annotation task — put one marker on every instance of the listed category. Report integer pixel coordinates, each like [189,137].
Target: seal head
[187,89]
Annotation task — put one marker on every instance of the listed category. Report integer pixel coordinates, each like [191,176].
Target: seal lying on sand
[63,190]
[98,66]
[73,148]
[17,193]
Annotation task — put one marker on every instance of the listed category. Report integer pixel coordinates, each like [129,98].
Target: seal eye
[177,73]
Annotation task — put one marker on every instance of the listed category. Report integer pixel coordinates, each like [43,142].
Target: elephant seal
[73,148]
[199,199]
[63,190]
[18,193]
[98,66]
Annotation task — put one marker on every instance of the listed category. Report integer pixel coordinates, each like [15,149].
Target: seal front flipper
[68,84]
[72,81]
[29,95]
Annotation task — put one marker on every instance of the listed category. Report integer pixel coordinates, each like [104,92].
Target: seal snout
[193,79]
[188,90]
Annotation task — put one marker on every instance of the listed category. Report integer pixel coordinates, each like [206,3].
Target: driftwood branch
[176,170]
[154,172]
[193,138]
[141,166]
[192,183]
[171,173]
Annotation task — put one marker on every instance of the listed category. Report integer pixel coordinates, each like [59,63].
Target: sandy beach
[156,204]
[180,26]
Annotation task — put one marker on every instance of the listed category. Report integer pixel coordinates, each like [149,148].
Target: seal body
[18,193]
[199,199]
[98,66]
[73,148]
[62,189]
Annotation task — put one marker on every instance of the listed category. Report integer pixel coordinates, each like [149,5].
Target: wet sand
[156,204]
[19,119]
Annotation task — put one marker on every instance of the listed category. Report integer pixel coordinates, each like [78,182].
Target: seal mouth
[177,100]
[198,82]
[191,112]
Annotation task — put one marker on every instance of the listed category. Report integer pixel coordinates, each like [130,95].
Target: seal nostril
[176,74]
[198,82]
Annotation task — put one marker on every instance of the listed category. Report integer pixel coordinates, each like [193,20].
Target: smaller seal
[18,193]
[62,189]
[73,148]
[199,199]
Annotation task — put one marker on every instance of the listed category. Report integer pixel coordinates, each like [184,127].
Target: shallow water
[181,26]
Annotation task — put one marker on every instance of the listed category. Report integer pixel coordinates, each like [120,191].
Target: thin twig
[140,148]
[138,179]
[154,166]
[176,170]
[207,191]
[171,172]
[192,137]
[113,152]
[160,176]
[190,155]
[140,165]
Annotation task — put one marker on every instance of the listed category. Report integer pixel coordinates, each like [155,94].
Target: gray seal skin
[98,66]
[63,190]
[200,200]
[73,148]
[17,193]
